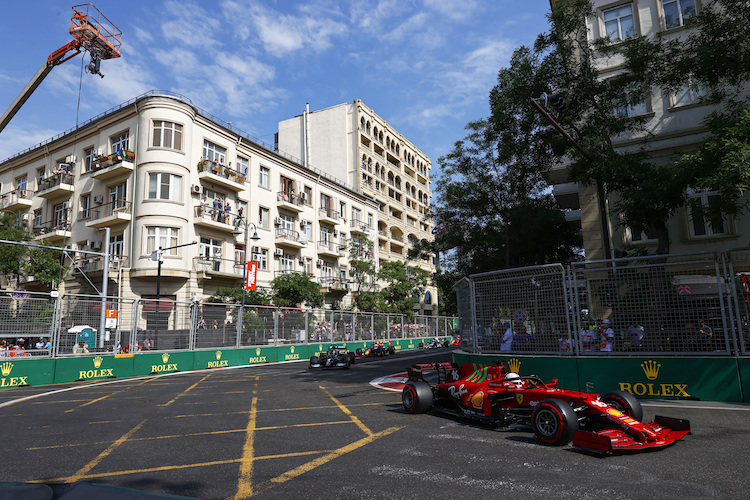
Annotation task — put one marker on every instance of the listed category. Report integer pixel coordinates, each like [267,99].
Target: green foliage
[363,271]
[44,264]
[12,257]
[228,295]
[404,286]
[295,289]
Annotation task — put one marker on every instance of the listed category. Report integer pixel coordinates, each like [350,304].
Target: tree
[294,289]
[363,272]
[12,257]
[228,295]
[404,286]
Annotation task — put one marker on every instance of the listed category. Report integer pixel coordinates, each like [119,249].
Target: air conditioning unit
[70,159]
[278,252]
[98,199]
[255,250]
[277,221]
[196,189]
[95,245]
[319,263]
[66,205]
[63,167]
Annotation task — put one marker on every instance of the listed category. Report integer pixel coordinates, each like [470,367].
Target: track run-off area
[283,431]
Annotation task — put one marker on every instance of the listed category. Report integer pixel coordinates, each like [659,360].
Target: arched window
[427,298]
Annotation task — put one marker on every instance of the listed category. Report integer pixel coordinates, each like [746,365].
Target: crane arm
[56,58]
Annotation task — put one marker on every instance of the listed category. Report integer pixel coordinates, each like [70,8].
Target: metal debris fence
[71,324]
[687,304]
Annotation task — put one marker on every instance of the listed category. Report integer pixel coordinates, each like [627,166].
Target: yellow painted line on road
[186,415]
[348,413]
[298,471]
[247,463]
[108,395]
[186,391]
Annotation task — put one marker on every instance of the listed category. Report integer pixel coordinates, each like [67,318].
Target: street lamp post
[254,237]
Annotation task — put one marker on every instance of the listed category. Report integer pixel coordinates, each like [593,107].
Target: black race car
[377,349]
[337,356]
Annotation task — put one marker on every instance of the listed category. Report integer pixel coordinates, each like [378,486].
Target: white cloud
[14,139]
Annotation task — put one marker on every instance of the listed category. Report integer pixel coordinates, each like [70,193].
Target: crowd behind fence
[71,324]
[688,304]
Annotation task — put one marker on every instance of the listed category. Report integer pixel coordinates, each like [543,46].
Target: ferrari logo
[519,398]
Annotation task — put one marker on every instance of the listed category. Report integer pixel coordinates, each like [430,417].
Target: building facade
[161,173]
[675,125]
[356,144]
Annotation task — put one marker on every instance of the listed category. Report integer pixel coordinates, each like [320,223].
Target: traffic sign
[519,315]
[19,295]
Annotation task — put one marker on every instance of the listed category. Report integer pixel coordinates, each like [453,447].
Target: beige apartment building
[160,172]
[355,144]
[676,124]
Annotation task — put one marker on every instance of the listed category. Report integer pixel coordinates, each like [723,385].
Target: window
[427,298]
[263,180]
[210,249]
[263,217]
[164,237]
[308,267]
[307,196]
[85,206]
[705,220]
[21,183]
[356,216]
[60,215]
[619,23]
[642,237]
[369,221]
[326,270]
[117,197]
[623,109]
[167,135]
[88,159]
[342,209]
[242,166]
[261,258]
[163,186]
[690,93]
[677,12]
[116,245]
[326,235]
[40,175]
[38,218]
[212,152]
[286,263]
[120,142]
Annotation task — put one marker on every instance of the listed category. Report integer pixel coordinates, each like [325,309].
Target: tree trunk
[663,235]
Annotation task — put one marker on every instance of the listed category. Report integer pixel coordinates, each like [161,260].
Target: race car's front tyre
[417,397]
[348,362]
[554,422]
[624,402]
[421,345]
[391,350]
[313,361]
[352,358]
[446,343]
[359,352]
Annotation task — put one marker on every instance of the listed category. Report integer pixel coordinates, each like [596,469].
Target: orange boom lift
[93,32]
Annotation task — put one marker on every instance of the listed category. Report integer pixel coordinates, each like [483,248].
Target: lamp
[254,237]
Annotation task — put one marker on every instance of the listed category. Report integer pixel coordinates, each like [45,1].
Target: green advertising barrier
[563,369]
[93,367]
[18,372]
[216,358]
[743,367]
[258,355]
[164,362]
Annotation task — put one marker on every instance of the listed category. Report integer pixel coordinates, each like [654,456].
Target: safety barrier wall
[28,371]
[646,377]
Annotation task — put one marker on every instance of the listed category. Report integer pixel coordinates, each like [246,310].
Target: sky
[425,66]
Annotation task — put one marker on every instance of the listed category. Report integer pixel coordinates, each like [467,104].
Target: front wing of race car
[666,432]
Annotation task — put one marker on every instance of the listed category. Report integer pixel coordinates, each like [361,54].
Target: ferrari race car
[336,356]
[377,349]
[611,423]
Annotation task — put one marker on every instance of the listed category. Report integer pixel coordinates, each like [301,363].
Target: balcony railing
[208,213]
[290,235]
[90,265]
[226,172]
[334,283]
[12,197]
[59,224]
[106,210]
[291,198]
[107,161]
[55,180]
[329,213]
[218,265]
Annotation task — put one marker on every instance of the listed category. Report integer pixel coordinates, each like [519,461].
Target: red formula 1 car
[377,349]
[609,423]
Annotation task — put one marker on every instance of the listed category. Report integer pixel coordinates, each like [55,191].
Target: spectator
[217,259]
[80,348]
[507,343]
[608,337]
[588,337]
[635,334]
[205,205]
[217,209]
[148,344]
[47,344]
[40,344]
[705,336]
[3,349]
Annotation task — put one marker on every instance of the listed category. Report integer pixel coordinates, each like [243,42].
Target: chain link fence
[687,304]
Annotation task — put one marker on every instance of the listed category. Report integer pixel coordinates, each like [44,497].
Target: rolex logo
[165,357]
[257,351]
[218,355]
[6,368]
[98,361]
[651,369]
[292,349]
[514,365]
[320,347]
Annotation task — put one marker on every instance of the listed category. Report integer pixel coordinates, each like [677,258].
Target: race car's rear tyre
[359,352]
[417,397]
[313,361]
[624,402]
[446,343]
[421,345]
[348,362]
[554,422]
[352,358]
[391,350]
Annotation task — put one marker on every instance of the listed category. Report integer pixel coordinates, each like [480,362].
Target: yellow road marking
[82,472]
[348,413]
[185,391]
[272,410]
[247,463]
[108,395]
[298,471]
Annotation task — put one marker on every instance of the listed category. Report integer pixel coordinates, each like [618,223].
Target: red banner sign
[251,275]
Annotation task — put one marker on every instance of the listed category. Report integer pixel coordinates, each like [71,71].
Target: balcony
[333,285]
[290,201]
[212,267]
[114,165]
[214,218]
[329,216]
[91,265]
[223,175]
[16,200]
[54,231]
[330,249]
[108,215]
[358,226]
[56,186]
[290,238]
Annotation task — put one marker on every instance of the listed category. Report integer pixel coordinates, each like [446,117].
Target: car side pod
[666,429]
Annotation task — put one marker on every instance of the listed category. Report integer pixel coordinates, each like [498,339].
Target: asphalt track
[282,431]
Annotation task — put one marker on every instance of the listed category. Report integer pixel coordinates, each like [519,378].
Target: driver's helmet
[514,379]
